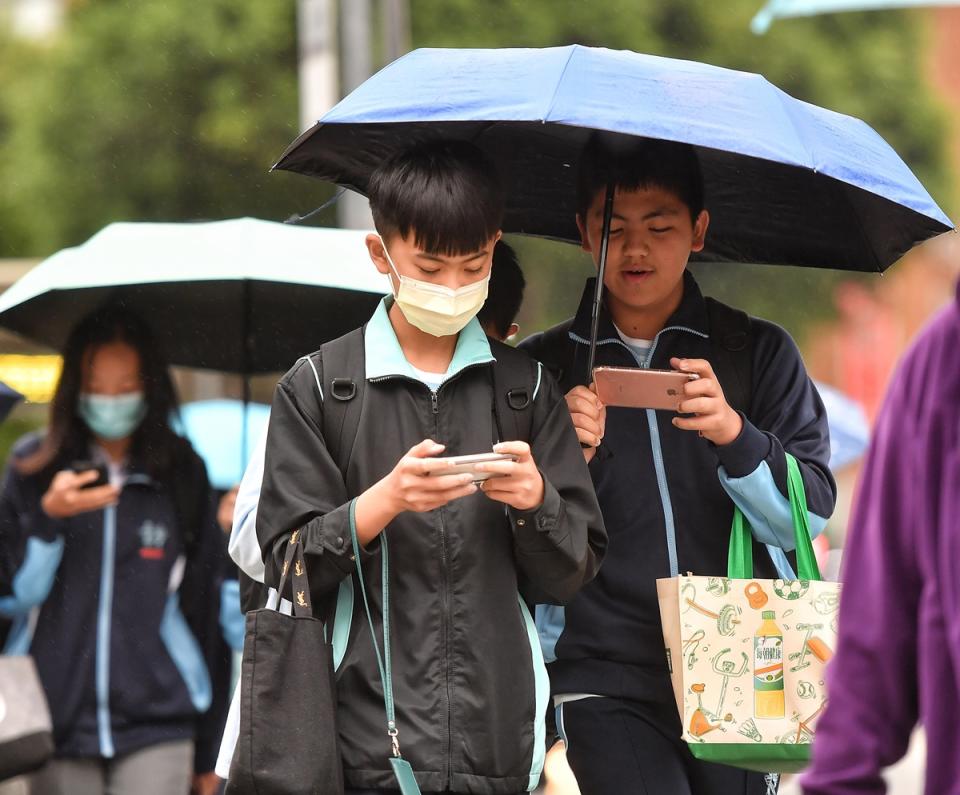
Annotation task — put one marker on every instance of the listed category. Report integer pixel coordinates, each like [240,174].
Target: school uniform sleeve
[201,605]
[244,545]
[786,416]
[303,488]
[559,545]
[31,543]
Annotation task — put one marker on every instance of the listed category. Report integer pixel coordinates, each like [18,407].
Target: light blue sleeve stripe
[550,620]
[232,619]
[104,631]
[542,690]
[185,652]
[765,508]
[34,579]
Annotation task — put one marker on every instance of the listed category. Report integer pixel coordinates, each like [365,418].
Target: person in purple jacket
[898,655]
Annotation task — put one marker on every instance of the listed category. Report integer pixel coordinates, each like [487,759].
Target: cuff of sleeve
[538,522]
[745,453]
[329,536]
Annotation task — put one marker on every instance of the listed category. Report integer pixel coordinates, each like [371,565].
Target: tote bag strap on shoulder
[740,554]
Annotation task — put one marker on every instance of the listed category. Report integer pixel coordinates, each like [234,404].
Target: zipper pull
[433,402]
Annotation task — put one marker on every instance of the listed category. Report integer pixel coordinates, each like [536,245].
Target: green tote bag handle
[740,556]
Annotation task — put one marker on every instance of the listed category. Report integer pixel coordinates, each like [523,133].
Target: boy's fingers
[503,468]
[702,387]
[439,483]
[700,367]
[583,422]
[582,405]
[586,394]
[702,406]
[587,438]
[427,447]
[429,466]
[520,449]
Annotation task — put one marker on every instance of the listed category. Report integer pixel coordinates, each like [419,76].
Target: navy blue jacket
[96,599]
[667,496]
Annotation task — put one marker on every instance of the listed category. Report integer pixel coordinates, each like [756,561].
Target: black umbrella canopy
[785,182]
[242,296]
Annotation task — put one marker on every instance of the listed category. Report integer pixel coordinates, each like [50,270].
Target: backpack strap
[731,337]
[516,378]
[341,379]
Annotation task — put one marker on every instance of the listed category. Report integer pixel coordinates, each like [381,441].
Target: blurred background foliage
[174,110]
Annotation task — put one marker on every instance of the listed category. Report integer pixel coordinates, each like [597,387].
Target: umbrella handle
[601,271]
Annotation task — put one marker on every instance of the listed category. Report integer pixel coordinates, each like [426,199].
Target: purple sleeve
[872,680]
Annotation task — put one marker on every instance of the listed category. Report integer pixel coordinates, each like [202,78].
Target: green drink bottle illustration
[768,701]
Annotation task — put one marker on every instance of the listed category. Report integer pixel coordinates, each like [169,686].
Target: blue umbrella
[779,9]
[786,182]
[215,428]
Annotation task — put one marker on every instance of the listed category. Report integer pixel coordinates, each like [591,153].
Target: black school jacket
[668,496]
[469,681]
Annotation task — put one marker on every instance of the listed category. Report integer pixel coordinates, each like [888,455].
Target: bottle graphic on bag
[768,699]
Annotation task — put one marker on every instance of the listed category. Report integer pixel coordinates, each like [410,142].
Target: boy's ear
[584,238]
[700,230]
[377,254]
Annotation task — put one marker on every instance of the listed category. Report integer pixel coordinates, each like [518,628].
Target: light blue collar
[384,356]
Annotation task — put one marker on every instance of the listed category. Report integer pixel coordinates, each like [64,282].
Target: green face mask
[112,416]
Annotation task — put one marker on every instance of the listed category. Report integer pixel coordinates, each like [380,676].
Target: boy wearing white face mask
[468,677]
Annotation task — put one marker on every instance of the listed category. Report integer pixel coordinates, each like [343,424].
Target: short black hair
[446,193]
[632,163]
[505,293]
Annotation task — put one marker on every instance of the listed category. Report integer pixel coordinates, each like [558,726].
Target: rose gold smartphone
[464,464]
[635,388]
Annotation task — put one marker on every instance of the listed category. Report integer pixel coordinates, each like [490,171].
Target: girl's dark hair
[505,294]
[154,444]
[446,193]
[634,163]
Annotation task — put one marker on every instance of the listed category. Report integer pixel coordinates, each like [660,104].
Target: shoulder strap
[340,380]
[732,340]
[515,380]
[559,355]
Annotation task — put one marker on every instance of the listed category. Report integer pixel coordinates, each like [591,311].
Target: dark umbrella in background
[787,182]
[242,296]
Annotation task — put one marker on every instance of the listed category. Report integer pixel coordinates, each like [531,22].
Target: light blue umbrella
[849,428]
[243,296]
[216,430]
[780,9]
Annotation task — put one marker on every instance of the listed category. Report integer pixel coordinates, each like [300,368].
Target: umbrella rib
[556,89]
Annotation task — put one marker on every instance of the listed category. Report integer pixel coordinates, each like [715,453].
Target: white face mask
[435,309]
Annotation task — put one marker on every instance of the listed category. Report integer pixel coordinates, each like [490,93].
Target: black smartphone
[103,477]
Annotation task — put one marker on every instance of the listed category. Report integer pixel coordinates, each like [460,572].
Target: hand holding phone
[467,464]
[71,493]
[633,387]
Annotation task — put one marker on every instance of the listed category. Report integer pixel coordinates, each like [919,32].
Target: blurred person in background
[898,649]
[108,557]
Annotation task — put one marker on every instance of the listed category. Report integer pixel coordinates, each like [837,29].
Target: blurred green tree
[151,110]
[870,65]
[174,110]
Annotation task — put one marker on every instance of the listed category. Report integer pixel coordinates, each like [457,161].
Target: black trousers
[618,747]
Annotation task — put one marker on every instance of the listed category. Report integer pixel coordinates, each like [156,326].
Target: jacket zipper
[659,467]
[444,568]
[445,602]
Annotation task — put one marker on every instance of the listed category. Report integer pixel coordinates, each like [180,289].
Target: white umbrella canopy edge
[131,253]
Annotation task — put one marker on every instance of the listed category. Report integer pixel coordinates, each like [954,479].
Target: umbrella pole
[601,270]
[247,357]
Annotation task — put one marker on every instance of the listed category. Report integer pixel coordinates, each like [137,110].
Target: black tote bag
[288,741]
